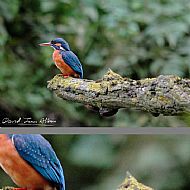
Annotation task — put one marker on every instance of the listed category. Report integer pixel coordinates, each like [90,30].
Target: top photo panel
[88,63]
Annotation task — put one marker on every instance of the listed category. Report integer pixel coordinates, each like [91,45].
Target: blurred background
[135,38]
[94,162]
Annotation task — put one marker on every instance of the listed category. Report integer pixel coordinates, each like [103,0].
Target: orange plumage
[62,66]
[25,175]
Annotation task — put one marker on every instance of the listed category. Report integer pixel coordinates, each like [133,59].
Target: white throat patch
[62,48]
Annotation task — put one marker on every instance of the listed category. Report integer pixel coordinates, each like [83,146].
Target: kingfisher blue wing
[72,60]
[39,154]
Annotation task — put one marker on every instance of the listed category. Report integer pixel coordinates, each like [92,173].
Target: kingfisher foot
[65,76]
[19,188]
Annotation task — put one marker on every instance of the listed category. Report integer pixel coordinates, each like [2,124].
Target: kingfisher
[65,60]
[31,162]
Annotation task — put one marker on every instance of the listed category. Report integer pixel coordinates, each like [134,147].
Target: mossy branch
[166,94]
[8,188]
[130,183]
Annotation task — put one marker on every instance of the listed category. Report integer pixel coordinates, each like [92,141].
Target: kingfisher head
[57,44]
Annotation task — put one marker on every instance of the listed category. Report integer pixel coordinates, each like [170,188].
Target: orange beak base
[45,44]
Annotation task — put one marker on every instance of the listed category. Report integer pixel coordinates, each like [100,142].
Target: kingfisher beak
[45,44]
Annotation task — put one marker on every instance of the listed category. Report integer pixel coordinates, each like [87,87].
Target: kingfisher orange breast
[61,65]
[18,169]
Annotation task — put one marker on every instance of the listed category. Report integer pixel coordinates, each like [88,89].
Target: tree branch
[167,95]
[130,183]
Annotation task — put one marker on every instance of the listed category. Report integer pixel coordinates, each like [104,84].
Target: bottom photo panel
[94,162]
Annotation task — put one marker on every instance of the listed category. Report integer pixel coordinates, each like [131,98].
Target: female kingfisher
[31,162]
[65,59]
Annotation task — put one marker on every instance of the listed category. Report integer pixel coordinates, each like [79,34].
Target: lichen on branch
[165,94]
[130,183]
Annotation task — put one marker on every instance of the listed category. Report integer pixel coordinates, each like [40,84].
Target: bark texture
[130,183]
[166,94]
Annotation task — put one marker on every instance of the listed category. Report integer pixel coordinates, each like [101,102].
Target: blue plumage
[72,60]
[39,154]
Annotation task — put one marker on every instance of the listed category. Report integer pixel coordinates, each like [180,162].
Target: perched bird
[65,59]
[31,162]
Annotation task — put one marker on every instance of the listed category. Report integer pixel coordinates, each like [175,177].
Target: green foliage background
[94,162]
[136,38]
